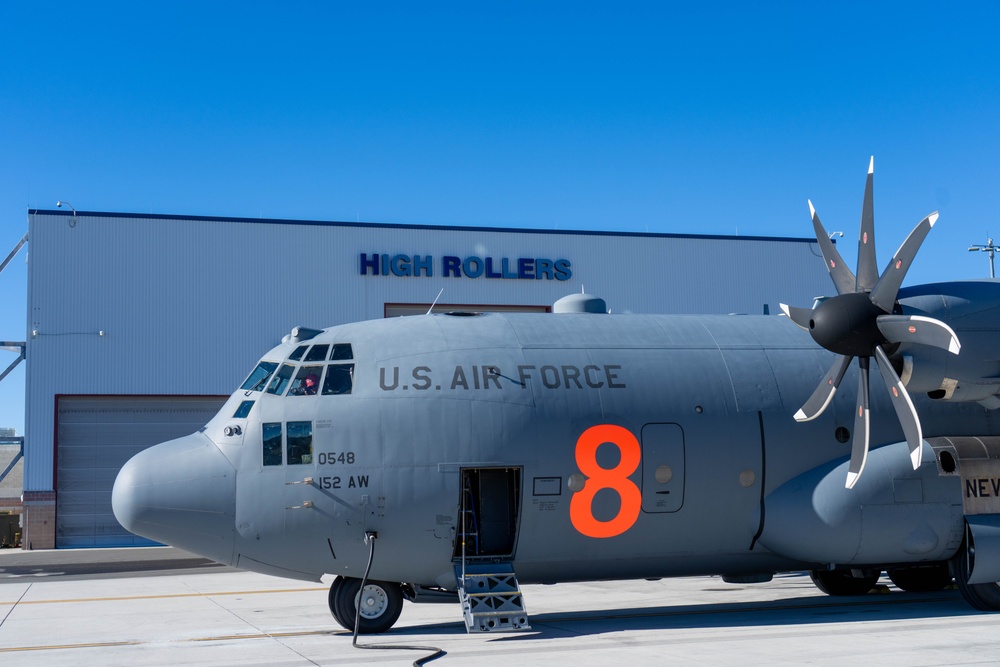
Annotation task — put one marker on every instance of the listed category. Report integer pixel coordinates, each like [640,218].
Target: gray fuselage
[476,433]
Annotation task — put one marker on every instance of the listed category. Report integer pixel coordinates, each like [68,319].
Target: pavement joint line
[13,605]
[275,637]
[265,635]
[219,638]
[54,647]
[163,597]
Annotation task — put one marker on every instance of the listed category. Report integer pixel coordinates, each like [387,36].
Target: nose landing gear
[380,604]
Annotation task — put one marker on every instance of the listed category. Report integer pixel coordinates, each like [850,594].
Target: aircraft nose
[181,493]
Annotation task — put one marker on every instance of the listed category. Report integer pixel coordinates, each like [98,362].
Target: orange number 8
[581,511]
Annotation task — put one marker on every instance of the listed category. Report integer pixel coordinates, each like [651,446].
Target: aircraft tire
[843,582]
[381,605]
[984,597]
[921,578]
[338,583]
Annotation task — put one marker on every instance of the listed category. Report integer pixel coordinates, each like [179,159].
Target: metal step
[491,599]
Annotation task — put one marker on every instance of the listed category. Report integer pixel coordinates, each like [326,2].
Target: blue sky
[717,118]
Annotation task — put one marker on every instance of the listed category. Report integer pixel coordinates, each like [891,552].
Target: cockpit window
[306,381]
[298,352]
[243,410]
[300,436]
[271,433]
[280,381]
[341,352]
[339,379]
[317,353]
[258,378]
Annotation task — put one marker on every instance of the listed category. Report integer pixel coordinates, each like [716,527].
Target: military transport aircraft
[480,451]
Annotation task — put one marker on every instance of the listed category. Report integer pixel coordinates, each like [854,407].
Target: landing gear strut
[921,578]
[984,597]
[380,604]
[844,582]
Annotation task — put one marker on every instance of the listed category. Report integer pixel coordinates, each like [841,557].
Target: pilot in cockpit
[306,386]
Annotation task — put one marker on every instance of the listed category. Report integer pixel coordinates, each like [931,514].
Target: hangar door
[95,436]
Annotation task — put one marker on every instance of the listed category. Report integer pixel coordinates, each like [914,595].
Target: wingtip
[800,416]
[954,346]
[784,309]
[812,209]
[932,218]
[871,165]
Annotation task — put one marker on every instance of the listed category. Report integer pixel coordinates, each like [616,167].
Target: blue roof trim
[386,225]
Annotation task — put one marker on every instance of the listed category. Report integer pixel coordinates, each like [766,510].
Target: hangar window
[257,380]
[306,381]
[243,410]
[317,353]
[300,437]
[272,443]
[341,352]
[280,381]
[298,352]
[339,379]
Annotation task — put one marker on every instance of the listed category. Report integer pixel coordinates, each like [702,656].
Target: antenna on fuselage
[435,301]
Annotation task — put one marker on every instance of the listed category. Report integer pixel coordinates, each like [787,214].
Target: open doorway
[487,521]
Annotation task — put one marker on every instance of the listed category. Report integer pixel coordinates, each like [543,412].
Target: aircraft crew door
[489,511]
[662,467]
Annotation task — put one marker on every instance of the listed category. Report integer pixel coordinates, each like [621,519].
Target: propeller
[861,321]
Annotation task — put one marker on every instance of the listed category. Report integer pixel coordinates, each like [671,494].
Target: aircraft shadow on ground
[791,611]
[818,609]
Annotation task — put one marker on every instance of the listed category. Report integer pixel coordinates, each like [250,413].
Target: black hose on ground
[435,651]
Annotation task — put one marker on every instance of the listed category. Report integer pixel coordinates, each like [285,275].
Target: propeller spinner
[860,321]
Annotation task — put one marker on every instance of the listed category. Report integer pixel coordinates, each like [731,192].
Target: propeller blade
[800,316]
[821,398]
[884,294]
[867,264]
[843,279]
[859,448]
[904,406]
[918,329]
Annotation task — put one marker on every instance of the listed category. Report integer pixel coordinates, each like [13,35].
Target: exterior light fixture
[990,248]
[60,204]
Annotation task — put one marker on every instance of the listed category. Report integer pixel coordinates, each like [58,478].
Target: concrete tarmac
[164,607]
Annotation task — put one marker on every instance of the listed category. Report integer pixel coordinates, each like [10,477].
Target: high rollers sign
[521,268]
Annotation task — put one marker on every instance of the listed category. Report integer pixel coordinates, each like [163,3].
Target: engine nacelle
[931,371]
[894,514]
[973,375]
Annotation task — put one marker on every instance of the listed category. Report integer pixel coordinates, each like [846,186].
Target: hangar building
[140,325]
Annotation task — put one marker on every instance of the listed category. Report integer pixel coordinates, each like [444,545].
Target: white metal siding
[186,306]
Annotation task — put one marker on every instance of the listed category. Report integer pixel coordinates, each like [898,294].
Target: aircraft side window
[298,352]
[339,379]
[342,352]
[306,381]
[317,353]
[300,437]
[272,443]
[280,381]
[257,380]
[243,410]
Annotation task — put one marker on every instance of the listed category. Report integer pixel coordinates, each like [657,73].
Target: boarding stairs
[491,598]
